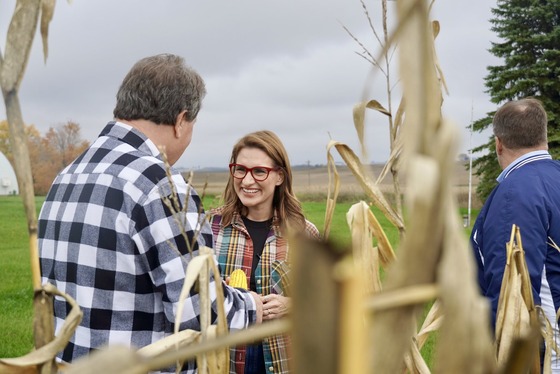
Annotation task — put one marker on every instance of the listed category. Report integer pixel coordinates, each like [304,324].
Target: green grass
[16,310]
[16,291]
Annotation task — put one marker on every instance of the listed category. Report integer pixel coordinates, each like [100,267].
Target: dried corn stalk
[516,315]
[199,269]
[435,249]
[382,63]
[13,61]
[368,260]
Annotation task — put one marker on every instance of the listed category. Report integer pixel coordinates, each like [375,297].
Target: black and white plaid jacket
[106,239]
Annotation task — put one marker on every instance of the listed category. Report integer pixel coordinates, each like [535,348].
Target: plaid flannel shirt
[107,239]
[234,250]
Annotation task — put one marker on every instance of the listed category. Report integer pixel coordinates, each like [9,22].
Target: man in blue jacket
[527,195]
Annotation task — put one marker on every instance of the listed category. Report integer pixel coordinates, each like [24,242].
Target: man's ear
[180,122]
[499,146]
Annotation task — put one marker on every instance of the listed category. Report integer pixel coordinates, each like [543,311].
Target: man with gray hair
[106,237]
[527,195]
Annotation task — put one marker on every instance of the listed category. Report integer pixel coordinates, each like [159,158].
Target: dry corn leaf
[516,315]
[402,297]
[122,360]
[431,323]
[394,160]
[415,362]
[177,340]
[359,113]
[215,362]
[441,77]
[386,253]
[47,12]
[364,226]
[117,359]
[202,361]
[505,290]
[332,195]
[366,257]
[370,188]
[199,268]
[513,307]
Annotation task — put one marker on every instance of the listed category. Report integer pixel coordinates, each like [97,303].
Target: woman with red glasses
[250,233]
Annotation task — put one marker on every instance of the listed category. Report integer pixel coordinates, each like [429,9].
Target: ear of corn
[238,279]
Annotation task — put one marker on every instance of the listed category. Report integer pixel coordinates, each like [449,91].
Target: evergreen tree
[529,32]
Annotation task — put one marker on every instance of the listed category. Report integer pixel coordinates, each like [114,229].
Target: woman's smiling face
[257,196]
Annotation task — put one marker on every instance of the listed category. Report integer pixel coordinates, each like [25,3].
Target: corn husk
[516,315]
[364,226]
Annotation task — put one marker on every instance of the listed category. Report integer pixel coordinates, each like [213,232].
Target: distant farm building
[8,181]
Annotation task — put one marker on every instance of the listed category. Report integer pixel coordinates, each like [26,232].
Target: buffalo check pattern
[107,239]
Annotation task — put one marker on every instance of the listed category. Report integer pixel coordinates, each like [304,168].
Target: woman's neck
[259,215]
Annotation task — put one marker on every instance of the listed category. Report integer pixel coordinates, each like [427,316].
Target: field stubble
[311,183]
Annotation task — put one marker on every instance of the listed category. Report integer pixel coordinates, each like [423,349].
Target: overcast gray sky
[287,66]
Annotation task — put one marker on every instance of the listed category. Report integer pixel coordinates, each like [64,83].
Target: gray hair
[521,124]
[158,88]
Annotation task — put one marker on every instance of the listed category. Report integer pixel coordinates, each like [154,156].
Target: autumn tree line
[49,154]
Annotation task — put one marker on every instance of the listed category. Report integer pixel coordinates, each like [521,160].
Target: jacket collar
[523,160]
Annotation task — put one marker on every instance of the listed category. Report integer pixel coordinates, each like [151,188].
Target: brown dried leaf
[334,179]
[369,187]
[359,113]
[47,13]
[435,28]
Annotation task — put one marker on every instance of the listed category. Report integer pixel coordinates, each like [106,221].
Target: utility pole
[470,170]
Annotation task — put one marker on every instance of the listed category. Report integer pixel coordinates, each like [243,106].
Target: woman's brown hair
[287,206]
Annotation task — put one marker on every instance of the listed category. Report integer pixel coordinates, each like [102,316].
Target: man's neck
[510,155]
[160,135]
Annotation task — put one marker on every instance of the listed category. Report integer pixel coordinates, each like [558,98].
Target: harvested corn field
[310,183]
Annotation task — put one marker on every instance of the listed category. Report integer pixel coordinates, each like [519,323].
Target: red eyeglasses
[259,173]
